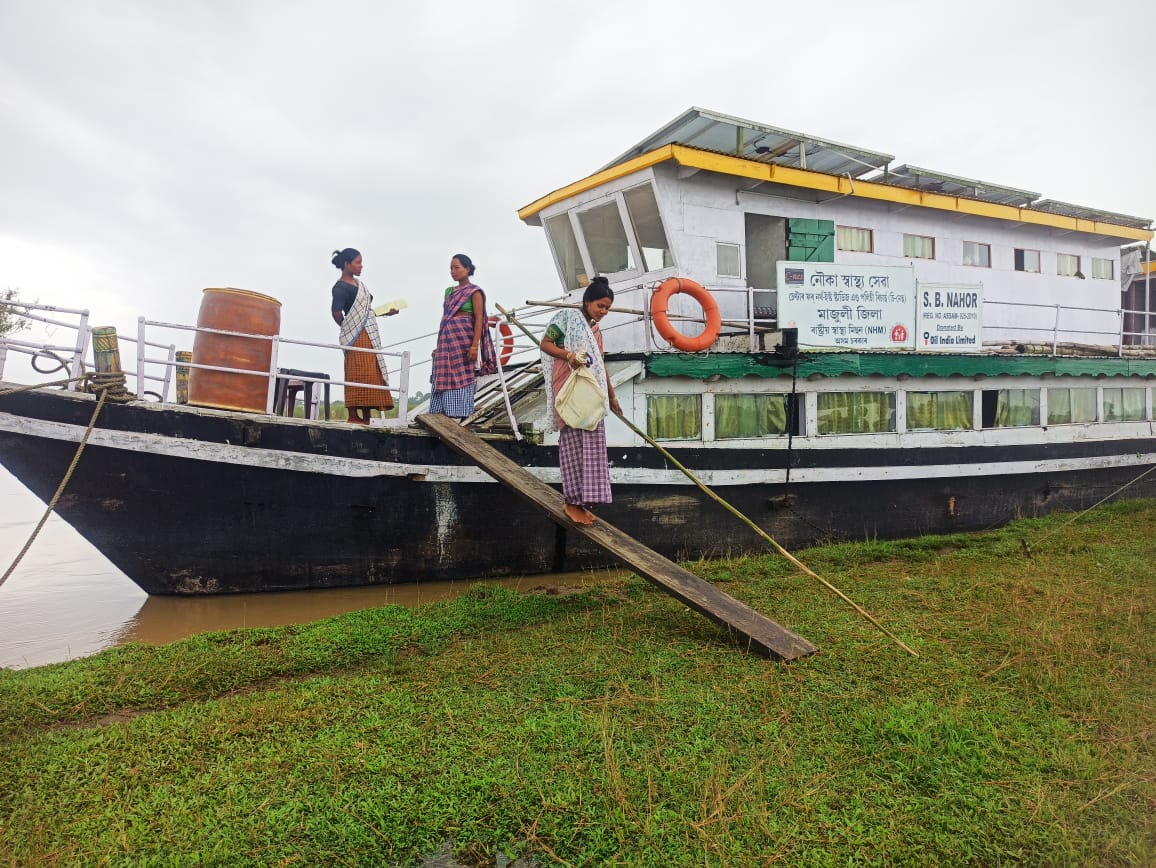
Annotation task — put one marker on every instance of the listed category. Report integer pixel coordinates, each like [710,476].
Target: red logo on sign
[898,334]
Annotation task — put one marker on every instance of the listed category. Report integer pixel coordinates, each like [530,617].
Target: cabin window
[1103,269]
[939,411]
[856,412]
[1027,260]
[1011,408]
[919,246]
[1069,406]
[727,259]
[977,254]
[648,229]
[674,417]
[854,239]
[750,416]
[605,238]
[1067,264]
[565,246]
[1123,404]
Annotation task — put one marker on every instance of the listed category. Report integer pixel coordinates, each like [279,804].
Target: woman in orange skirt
[352,309]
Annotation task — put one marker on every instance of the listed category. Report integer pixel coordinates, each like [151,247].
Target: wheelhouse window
[854,239]
[727,260]
[606,240]
[674,417]
[738,416]
[1123,404]
[856,412]
[565,245]
[1103,269]
[977,254]
[939,411]
[642,206]
[1070,406]
[1011,408]
[1027,260]
[1067,264]
[919,246]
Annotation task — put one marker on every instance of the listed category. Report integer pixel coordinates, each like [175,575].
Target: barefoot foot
[577,514]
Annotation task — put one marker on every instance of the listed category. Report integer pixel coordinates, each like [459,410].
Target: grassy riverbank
[614,726]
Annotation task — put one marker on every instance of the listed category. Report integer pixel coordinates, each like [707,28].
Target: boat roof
[711,131]
[774,156]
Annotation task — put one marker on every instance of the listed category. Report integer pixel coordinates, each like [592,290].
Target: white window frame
[627,228]
[978,245]
[930,238]
[870,239]
[1060,258]
[1039,261]
[1097,264]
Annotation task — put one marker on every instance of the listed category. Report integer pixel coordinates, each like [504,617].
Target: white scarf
[577,337]
[359,318]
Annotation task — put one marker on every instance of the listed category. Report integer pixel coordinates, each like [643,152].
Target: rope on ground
[1027,549]
[106,386]
[762,533]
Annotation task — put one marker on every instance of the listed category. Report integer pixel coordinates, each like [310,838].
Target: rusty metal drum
[234,310]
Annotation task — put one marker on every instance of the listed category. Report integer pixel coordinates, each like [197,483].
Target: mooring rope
[734,511]
[110,386]
[1027,549]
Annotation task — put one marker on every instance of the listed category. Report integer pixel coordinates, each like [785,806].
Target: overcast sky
[151,149]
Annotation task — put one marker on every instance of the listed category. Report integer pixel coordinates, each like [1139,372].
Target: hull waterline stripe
[299,462]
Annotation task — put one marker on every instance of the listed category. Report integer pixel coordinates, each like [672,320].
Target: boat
[842,346]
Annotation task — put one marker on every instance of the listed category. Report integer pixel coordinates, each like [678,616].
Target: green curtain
[939,411]
[1123,405]
[856,412]
[1016,407]
[1066,406]
[674,417]
[749,416]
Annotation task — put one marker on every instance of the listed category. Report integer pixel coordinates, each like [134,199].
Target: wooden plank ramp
[752,630]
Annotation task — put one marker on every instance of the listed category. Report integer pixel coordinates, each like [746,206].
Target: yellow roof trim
[840,185]
[644,161]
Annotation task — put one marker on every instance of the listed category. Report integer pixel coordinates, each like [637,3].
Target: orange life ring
[658,312]
[507,334]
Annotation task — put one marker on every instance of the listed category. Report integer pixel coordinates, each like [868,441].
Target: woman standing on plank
[465,348]
[352,309]
[573,339]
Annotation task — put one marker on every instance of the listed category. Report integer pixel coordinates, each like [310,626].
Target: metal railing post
[1056,332]
[83,336]
[140,356]
[506,394]
[271,395]
[403,391]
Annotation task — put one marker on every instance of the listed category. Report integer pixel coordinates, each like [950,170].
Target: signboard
[854,307]
[950,318]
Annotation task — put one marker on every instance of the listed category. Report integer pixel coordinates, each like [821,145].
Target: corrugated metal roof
[916,178]
[737,137]
[1080,212]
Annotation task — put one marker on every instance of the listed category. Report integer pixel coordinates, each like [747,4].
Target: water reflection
[66,600]
[163,619]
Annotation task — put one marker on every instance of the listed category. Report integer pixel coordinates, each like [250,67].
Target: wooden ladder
[752,630]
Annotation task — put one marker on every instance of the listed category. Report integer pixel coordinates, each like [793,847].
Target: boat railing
[1055,332]
[68,357]
[169,363]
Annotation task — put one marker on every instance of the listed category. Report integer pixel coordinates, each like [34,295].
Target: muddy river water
[66,600]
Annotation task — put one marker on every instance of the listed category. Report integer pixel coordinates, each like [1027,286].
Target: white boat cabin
[725,202]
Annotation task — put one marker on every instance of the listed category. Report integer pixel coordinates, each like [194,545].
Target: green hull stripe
[734,365]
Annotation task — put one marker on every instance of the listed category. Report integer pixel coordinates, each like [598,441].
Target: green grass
[615,726]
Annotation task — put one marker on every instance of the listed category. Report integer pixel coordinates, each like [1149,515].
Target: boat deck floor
[751,629]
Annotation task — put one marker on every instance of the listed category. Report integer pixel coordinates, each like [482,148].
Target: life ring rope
[660,303]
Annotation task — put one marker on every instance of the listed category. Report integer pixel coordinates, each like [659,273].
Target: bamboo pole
[734,511]
[634,311]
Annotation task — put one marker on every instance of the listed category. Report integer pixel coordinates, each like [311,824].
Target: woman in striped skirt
[572,340]
[465,348]
[352,309]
